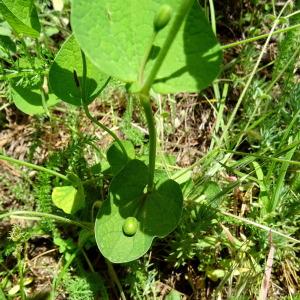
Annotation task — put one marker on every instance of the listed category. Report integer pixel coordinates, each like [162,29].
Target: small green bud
[130,226]
[162,17]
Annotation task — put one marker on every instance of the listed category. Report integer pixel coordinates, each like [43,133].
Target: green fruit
[162,18]
[130,226]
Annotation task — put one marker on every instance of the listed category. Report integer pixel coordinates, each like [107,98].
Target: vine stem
[145,90]
[34,167]
[25,213]
[145,101]
[146,57]
[85,106]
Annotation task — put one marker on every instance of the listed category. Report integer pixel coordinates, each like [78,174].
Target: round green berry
[130,226]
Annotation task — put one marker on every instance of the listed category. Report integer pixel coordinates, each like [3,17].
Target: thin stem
[29,56]
[281,160]
[34,167]
[88,261]
[212,16]
[280,74]
[115,279]
[102,88]
[44,102]
[144,92]
[146,57]
[145,101]
[179,18]
[258,225]
[4,106]
[259,37]
[21,275]
[102,126]
[268,89]
[20,74]
[46,215]
[59,277]
[86,109]
[248,83]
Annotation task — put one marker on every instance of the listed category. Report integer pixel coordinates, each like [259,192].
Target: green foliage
[126,199]
[32,100]
[173,295]
[117,159]
[65,76]
[168,61]
[68,198]
[209,250]
[131,133]
[196,232]
[140,279]
[84,286]
[21,16]
[162,18]
[102,32]
[42,192]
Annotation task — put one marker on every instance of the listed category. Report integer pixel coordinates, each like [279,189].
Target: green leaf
[61,75]
[157,213]
[116,157]
[173,295]
[21,16]
[29,99]
[7,43]
[115,35]
[68,198]
[215,274]
[209,189]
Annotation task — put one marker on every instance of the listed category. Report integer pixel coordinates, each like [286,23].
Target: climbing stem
[86,109]
[145,101]
[145,90]
[146,57]
[34,167]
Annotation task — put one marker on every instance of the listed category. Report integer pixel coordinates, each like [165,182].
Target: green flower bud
[162,17]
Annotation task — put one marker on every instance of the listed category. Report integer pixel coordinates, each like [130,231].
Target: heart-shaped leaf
[62,74]
[157,213]
[21,16]
[68,198]
[115,35]
[29,99]
[117,158]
